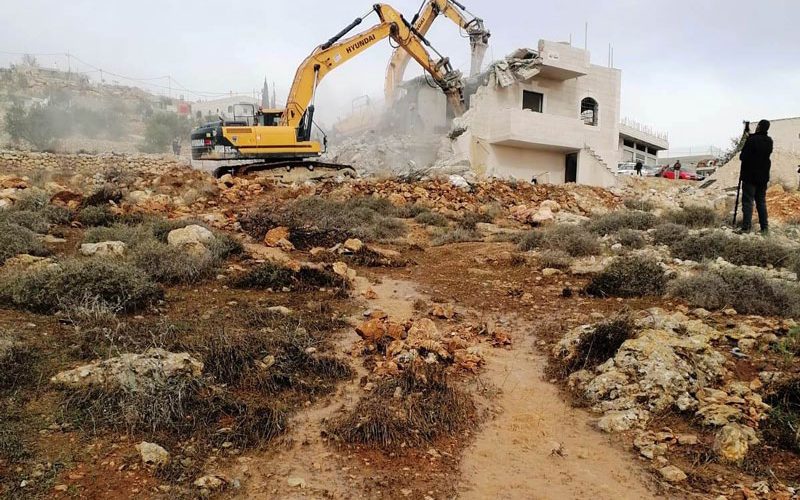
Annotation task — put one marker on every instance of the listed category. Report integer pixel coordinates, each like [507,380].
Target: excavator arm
[337,51]
[422,22]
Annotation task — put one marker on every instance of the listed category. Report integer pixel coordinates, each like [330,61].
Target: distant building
[640,143]
[221,107]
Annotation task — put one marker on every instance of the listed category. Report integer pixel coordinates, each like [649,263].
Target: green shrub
[118,284]
[572,239]
[631,238]
[749,292]
[93,216]
[612,222]
[669,233]
[694,216]
[471,220]
[432,219]
[15,240]
[633,276]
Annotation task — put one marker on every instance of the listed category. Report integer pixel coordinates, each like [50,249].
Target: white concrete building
[552,116]
[638,142]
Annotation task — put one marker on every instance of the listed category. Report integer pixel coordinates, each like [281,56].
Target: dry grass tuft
[93,216]
[412,409]
[631,238]
[738,250]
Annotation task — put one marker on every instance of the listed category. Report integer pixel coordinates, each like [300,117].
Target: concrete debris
[131,371]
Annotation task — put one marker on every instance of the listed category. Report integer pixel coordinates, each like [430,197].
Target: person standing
[639,167]
[677,170]
[756,164]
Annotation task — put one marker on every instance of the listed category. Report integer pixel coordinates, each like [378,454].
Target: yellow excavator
[422,22]
[277,138]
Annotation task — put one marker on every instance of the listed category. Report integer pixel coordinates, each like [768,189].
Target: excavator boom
[422,22]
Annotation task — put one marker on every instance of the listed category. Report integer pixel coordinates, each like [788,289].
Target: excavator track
[291,169]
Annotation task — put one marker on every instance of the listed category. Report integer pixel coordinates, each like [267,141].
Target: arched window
[589,109]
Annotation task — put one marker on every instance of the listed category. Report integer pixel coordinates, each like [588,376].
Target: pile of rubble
[395,346]
[784,170]
[522,198]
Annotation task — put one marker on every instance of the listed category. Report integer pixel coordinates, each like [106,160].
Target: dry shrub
[17,366]
[612,222]
[782,428]
[276,277]
[641,205]
[470,220]
[13,445]
[15,239]
[431,219]
[694,216]
[148,250]
[428,407]
[35,221]
[455,235]
[118,284]
[669,233]
[370,258]
[93,216]
[631,238]
[749,292]
[633,276]
[738,250]
[278,359]
[572,239]
[108,193]
[554,259]
[366,218]
[598,345]
[171,265]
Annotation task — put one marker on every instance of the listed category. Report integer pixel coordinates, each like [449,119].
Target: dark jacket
[755,159]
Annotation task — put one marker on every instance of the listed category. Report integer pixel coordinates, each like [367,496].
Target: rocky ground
[165,334]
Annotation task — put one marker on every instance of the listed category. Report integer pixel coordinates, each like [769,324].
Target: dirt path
[536,447]
[539,447]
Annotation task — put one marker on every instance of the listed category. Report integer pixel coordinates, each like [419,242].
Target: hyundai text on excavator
[278,138]
[422,22]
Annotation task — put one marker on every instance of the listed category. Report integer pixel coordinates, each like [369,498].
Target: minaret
[274,99]
[265,94]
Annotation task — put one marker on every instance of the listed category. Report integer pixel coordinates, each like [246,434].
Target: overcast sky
[693,68]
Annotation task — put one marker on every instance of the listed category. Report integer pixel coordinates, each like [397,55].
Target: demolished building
[547,115]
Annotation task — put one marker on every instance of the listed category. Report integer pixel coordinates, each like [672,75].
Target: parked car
[626,168]
[686,175]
